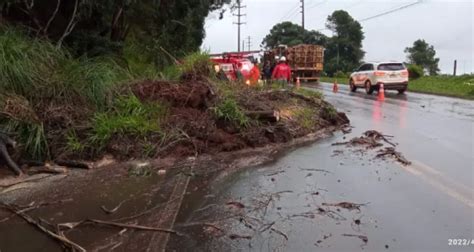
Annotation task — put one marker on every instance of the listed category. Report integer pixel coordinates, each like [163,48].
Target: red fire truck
[235,66]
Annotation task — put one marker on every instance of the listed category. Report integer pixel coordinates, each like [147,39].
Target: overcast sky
[446,24]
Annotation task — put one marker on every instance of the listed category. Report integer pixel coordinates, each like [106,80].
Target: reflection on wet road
[289,205]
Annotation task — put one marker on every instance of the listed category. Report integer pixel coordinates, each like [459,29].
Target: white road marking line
[440,181]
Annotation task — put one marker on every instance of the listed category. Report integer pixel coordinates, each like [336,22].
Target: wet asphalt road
[407,208]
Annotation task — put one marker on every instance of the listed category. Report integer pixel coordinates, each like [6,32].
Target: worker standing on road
[254,74]
[267,71]
[282,72]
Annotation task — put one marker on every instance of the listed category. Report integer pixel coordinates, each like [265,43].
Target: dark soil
[191,117]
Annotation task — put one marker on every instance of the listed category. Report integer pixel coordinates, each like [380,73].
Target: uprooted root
[372,139]
[392,152]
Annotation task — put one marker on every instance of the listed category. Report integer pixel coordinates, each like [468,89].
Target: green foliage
[26,64]
[103,27]
[305,118]
[196,64]
[35,69]
[193,65]
[344,50]
[129,116]
[229,110]
[423,54]
[73,143]
[329,113]
[415,71]
[456,86]
[340,74]
[92,79]
[290,34]
[30,136]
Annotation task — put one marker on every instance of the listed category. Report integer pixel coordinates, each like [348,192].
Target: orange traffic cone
[298,83]
[381,93]
[335,88]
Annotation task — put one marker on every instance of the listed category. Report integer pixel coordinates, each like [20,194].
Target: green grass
[229,110]
[331,80]
[195,64]
[459,86]
[305,118]
[129,116]
[309,93]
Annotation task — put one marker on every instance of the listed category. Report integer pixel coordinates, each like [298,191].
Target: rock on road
[419,207]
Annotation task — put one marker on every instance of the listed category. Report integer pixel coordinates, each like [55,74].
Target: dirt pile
[200,118]
[192,118]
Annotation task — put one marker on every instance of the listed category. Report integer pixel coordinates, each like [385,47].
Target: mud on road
[115,204]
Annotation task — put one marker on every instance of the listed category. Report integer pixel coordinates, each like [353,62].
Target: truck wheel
[352,85]
[402,91]
[368,88]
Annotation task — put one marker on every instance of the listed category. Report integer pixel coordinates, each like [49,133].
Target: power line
[239,23]
[290,13]
[390,11]
[316,4]
[384,13]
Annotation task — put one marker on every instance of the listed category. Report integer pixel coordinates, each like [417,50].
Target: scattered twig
[111,211]
[235,204]
[362,237]
[266,227]
[238,236]
[346,205]
[189,224]
[397,155]
[275,173]
[279,232]
[317,170]
[377,135]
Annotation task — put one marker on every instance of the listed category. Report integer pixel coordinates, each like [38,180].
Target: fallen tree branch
[66,242]
[72,225]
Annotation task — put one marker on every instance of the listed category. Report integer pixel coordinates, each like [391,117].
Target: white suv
[393,76]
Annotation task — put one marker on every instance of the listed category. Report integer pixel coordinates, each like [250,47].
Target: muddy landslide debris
[372,139]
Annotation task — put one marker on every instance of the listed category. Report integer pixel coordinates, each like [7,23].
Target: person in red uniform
[282,72]
[254,74]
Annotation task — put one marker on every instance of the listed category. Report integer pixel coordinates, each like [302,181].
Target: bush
[415,71]
[340,74]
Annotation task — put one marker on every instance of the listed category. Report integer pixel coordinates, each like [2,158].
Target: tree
[290,34]
[423,54]
[344,50]
[90,27]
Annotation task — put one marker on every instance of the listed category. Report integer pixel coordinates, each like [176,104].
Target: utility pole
[302,13]
[249,43]
[455,66]
[239,23]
